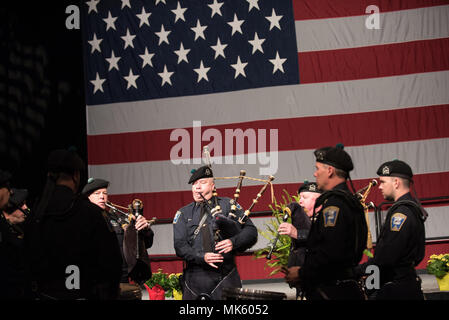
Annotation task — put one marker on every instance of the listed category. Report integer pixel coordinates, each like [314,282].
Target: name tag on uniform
[330,215]
[397,221]
[177,215]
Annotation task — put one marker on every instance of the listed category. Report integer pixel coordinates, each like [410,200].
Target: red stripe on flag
[374,61]
[323,9]
[164,205]
[350,129]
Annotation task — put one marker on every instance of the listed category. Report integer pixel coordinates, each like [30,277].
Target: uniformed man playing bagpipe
[126,228]
[207,239]
[298,230]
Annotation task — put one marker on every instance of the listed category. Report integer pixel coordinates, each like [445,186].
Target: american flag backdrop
[310,71]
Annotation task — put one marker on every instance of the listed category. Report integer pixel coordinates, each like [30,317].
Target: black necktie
[205,233]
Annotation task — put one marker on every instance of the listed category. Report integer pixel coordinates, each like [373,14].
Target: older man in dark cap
[338,234]
[12,259]
[401,244]
[72,253]
[298,230]
[209,256]
[97,192]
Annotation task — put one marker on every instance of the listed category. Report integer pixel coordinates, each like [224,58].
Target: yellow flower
[177,294]
[433,256]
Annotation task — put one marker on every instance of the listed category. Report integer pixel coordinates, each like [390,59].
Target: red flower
[156,293]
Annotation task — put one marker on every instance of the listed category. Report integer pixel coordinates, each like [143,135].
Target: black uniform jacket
[73,235]
[302,223]
[333,246]
[401,243]
[12,263]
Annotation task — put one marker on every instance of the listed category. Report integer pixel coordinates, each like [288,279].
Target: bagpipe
[230,224]
[362,195]
[134,250]
[287,213]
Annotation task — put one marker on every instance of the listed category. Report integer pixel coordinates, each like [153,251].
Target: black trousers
[340,290]
[407,289]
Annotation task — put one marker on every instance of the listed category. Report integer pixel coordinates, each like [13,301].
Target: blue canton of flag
[138,50]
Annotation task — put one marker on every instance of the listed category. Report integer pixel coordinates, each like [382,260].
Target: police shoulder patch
[114,223]
[397,221]
[330,215]
[177,215]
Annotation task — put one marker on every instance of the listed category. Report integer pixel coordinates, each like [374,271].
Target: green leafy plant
[168,282]
[279,258]
[174,282]
[438,265]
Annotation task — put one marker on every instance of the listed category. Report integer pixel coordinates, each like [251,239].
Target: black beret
[93,185]
[395,168]
[18,197]
[335,157]
[66,161]
[200,173]
[4,179]
[309,187]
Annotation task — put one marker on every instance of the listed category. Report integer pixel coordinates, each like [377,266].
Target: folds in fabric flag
[142,50]
[265,83]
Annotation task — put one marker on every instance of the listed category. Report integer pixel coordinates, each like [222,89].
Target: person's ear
[330,171]
[396,183]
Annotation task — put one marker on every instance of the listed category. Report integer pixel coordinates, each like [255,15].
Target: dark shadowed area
[41,88]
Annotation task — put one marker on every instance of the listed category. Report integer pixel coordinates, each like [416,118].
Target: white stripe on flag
[424,89]
[395,27]
[163,176]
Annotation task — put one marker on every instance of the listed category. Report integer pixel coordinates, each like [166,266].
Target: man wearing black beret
[401,244]
[71,252]
[209,256]
[12,259]
[97,192]
[299,229]
[338,234]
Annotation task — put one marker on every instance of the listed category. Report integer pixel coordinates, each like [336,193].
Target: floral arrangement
[170,283]
[438,265]
[279,258]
